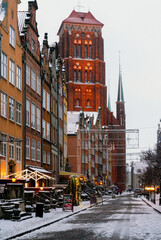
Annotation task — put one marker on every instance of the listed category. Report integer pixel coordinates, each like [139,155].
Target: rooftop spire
[120,96]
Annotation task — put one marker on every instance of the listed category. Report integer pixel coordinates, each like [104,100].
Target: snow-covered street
[121,218]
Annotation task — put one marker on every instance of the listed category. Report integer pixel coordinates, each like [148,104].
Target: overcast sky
[132,27]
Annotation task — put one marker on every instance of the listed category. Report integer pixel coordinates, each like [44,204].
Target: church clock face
[82,34]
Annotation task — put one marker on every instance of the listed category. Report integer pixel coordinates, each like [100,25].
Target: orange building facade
[11,87]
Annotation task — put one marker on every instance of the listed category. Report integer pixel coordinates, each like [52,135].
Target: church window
[77,102]
[88,103]
[75,50]
[90,77]
[75,76]
[86,51]
[90,52]
[79,76]
[79,51]
[86,76]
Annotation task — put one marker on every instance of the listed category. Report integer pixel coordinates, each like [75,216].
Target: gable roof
[22,15]
[3,7]
[82,18]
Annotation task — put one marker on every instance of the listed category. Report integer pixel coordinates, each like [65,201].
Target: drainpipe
[0,52]
[63,81]
[42,84]
[58,126]
[58,86]
[24,103]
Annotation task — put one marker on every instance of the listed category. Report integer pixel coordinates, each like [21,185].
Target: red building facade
[82,47]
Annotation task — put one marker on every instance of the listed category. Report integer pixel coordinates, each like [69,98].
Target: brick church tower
[82,47]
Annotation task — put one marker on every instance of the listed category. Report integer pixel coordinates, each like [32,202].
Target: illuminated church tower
[82,47]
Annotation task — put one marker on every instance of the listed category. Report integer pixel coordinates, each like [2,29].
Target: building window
[33,150]
[12,36]
[4,65]
[48,102]
[32,46]
[90,52]
[86,76]
[48,158]
[44,156]
[90,77]
[38,115]
[86,51]
[11,109]
[77,103]
[88,103]
[3,145]
[38,152]
[75,50]
[3,104]
[79,51]
[28,75]
[44,98]
[48,131]
[75,76]
[44,128]
[79,76]
[18,113]
[27,112]
[38,85]
[12,72]
[18,77]
[18,151]
[27,147]
[11,148]
[33,80]
[33,115]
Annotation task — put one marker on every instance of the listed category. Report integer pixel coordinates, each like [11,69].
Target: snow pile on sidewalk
[9,228]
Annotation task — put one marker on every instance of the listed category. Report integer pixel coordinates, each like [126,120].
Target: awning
[63,173]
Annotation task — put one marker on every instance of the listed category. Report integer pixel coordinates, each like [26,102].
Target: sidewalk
[154,206]
[10,229]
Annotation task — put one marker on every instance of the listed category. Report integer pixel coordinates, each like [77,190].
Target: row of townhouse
[88,151]
[33,109]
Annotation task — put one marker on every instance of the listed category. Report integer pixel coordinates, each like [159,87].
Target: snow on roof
[22,15]
[42,170]
[3,7]
[73,120]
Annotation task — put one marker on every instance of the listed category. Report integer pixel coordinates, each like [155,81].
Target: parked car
[139,191]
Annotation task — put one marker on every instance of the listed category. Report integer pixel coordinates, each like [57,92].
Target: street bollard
[39,209]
